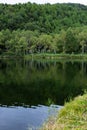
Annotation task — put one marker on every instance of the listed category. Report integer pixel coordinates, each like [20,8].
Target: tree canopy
[32,28]
[45,18]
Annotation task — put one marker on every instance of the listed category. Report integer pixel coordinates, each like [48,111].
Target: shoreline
[57,56]
[73,116]
[50,57]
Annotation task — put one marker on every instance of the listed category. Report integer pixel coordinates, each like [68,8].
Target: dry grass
[72,117]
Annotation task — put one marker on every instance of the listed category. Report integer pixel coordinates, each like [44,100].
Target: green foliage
[23,42]
[74,115]
[32,28]
[44,18]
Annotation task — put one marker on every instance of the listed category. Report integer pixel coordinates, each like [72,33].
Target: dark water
[26,84]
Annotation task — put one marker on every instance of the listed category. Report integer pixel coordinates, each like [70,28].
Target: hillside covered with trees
[32,28]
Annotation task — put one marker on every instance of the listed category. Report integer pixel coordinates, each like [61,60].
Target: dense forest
[35,28]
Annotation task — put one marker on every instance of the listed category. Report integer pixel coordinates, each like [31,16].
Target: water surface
[28,88]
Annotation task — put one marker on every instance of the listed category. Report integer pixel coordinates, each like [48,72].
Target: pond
[31,91]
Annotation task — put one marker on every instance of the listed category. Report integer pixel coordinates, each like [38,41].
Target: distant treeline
[32,28]
[21,42]
[45,18]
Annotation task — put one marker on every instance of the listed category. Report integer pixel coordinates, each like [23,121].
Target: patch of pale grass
[72,117]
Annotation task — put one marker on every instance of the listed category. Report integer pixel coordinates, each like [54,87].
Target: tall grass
[72,117]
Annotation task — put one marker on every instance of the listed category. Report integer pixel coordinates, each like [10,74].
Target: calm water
[28,88]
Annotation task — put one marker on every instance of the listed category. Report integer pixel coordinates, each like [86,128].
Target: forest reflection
[27,82]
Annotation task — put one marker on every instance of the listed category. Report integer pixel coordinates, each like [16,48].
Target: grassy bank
[48,56]
[72,117]
[56,56]
[10,56]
